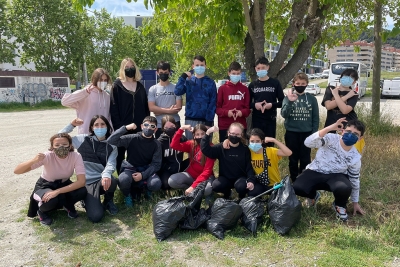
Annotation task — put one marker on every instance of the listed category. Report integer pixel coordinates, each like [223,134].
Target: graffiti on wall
[32,93]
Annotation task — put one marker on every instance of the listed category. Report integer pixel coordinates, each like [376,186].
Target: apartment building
[362,51]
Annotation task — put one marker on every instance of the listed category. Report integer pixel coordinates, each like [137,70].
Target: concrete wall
[33,90]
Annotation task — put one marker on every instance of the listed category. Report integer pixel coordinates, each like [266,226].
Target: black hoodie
[171,159]
[127,106]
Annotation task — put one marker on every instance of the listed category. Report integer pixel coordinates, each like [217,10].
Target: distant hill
[369,37]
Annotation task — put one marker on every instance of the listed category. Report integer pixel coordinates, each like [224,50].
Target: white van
[325,74]
[391,88]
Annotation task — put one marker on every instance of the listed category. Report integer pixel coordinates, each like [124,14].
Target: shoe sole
[337,215]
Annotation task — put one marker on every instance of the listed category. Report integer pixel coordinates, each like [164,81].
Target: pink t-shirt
[56,168]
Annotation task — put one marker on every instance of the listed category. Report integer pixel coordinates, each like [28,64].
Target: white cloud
[122,7]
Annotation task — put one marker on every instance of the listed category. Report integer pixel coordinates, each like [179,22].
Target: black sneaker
[71,213]
[111,208]
[44,218]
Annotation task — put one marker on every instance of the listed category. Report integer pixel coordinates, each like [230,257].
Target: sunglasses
[147,125]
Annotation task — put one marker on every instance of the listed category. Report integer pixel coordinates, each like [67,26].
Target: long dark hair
[203,128]
[95,117]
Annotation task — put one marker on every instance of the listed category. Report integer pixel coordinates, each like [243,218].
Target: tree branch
[247,18]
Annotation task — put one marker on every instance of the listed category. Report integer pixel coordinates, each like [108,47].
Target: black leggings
[300,153]
[307,184]
[224,185]
[258,189]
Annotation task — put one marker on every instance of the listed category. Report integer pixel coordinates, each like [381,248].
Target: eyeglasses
[235,134]
[147,125]
[172,128]
[356,134]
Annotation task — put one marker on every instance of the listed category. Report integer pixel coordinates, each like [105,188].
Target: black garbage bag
[196,196]
[224,215]
[284,208]
[166,216]
[194,219]
[252,215]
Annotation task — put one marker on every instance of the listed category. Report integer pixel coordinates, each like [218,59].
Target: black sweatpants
[295,142]
[164,174]
[94,207]
[307,184]
[224,185]
[267,126]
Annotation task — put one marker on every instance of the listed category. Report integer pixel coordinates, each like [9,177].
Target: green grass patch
[319,239]
[15,106]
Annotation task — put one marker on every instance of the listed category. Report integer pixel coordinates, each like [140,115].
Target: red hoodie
[196,170]
[232,96]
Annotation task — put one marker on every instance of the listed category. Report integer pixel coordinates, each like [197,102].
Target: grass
[15,106]
[127,239]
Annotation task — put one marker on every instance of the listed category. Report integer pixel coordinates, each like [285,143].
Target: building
[17,59]
[135,21]
[362,51]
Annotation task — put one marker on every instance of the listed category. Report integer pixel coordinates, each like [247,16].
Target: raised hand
[131,126]
[77,122]
[187,127]
[292,96]
[39,157]
[212,130]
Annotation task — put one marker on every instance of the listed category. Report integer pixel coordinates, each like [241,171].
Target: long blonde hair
[138,75]
[241,127]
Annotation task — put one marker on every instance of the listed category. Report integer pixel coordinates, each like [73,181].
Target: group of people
[117,133]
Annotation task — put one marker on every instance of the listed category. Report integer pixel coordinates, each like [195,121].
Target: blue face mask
[262,73]
[349,139]
[234,78]
[199,70]
[346,81]
[255,146]
[100,132]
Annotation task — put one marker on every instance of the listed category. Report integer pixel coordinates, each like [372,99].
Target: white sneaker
[340,212]
[311,202]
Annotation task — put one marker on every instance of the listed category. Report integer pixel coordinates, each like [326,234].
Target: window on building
[7,82]
[60,82]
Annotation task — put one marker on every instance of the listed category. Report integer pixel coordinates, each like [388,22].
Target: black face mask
[300,88]
[148,132]
[163,76]
[131,72]
[198,140]
[234,139]
[170,131]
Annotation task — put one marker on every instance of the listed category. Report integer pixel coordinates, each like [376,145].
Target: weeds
[15,106]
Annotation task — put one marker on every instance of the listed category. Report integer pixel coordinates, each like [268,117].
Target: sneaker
[340,212]
[44,218]
[71,213]
[312,202]
[111,208]
[128,201]
[147,194]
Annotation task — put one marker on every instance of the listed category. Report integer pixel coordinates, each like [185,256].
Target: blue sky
[122,7]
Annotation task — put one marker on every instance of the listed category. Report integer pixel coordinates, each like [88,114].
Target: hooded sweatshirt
[127,106]
[301,115]
[232,96]
[201,98]
[88,105]
[171,158]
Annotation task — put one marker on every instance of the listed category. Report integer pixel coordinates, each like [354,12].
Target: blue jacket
[201,98]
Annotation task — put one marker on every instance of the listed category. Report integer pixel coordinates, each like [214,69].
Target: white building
[135,21]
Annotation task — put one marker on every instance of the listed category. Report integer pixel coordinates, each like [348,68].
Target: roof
[33,73]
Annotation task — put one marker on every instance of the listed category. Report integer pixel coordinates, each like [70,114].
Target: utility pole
[377,59]
[85,70]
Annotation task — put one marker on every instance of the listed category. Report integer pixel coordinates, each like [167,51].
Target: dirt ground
[23,135]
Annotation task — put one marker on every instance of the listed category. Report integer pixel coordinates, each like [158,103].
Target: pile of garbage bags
[185,212]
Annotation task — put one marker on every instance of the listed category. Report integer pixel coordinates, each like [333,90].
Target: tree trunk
[377,59]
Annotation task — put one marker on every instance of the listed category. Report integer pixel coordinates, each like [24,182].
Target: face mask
[61,152]
[101,85]
[170,131]
[299,88]
[100,132]
[199,70]
[234,139]
[164,76]
[131,72]
[346,81]
[349,139]
[255,146]
[198,140]
[148,132]
[234,78]
[262,73]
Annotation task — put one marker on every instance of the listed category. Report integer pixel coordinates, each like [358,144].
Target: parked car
[391,88]
[317,75]
[325,74]
[313,89]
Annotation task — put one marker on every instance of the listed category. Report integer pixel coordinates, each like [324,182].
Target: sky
[122,7]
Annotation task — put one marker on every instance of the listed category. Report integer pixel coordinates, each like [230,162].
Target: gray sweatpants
[183,180]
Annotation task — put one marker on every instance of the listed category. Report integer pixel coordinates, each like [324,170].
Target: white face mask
[101,85]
